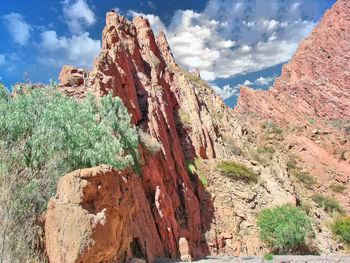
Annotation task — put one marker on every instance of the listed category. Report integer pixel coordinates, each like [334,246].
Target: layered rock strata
[316,82]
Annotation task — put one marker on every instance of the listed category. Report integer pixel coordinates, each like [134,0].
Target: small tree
[284,228]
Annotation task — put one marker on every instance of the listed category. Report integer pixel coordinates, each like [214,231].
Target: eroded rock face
[140,69]
[315,83]
[100,215]
[311,101]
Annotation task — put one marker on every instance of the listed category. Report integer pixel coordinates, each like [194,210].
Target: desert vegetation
[327,203]
[238,171]
[341,229]
[285,229]
[44,135]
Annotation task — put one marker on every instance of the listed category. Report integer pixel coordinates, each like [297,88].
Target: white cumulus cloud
[155,22]
[78,50]
[264,81]
[77,15]
[226,91]
[17,27]
[233,37]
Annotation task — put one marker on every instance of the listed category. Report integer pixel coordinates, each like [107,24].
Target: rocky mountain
[312,98]
[181,205]
[315,83]
[173,111]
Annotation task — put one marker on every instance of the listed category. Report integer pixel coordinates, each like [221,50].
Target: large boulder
[100,215]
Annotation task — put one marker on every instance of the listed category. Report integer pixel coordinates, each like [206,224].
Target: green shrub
[284,228]
[341,228]
[191,168]
[307,179]
[338,188]
[154,60]
[268,125]
[196,162]
[328,204]
[268,256]
[232,145]
[276,130]
[307,207]
[44,135]
[272,127]
[204,180]
[237,171]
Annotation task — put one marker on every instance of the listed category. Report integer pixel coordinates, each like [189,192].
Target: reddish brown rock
[100,215]
[311,102]
[140,69]
[315,83]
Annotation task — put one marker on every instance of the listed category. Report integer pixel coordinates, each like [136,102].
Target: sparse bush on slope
[328,204]
[238,171]
[341,228]
[44,135]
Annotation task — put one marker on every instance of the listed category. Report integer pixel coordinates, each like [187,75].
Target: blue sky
[232,42]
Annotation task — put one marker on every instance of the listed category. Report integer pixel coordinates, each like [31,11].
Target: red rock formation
[312,93]
[100,215]
[316,82]
[179,118]
[140,69]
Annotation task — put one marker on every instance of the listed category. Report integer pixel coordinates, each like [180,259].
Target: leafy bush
[191,168]
[196,162]
[341,228]
[266,149]
[237,171]
[268,256]
[44,135]
[328,204]
[193,78]
[284,228]
[307,179]
[154,60]
[232,145]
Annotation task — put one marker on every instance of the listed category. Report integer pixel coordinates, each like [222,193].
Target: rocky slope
[168,212]
[315,83]
[311,101]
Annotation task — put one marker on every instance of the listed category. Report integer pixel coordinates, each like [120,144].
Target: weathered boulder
[100,215]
